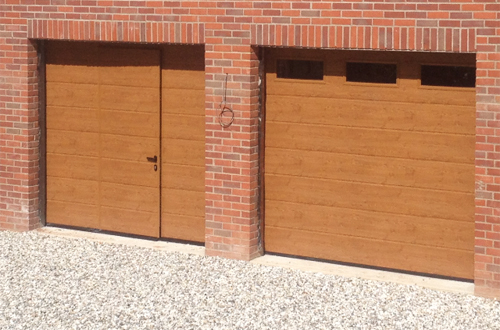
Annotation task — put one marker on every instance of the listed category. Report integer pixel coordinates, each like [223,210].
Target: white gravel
[47,282]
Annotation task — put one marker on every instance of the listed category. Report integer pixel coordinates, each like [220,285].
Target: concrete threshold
[367,274]
[130,241]
[277,261]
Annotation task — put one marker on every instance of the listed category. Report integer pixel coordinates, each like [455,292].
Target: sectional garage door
[378,173]
[125,139]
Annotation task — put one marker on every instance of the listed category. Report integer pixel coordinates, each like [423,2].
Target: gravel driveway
[48,282]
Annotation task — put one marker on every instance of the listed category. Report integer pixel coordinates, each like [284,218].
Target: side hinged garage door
[369,158]
[114,150]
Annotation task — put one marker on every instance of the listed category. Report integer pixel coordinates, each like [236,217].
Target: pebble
[49,282]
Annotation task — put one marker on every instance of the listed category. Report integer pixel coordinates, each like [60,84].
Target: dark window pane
[371,73]
[452,76]
[294,69]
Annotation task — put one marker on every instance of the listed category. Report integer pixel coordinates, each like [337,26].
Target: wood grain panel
[370,169]
[407,89]
[183,227]
[183,127]
[72,190]
[183,152]
[375,225]
[73,167]
[371,93]
[183,143]
[129,123]
[128,221]
[183,101]
[183,67]
[183,202]
[129,98]
[379,198]
[72,143]
[129,197]
[136,71]
[73,214]
[417,258]
[383,115]
[73,119]
[173,79]
[72,95]
[387,143]
[71,53]
[128,147]
[76,74]
[129,173]
[130,76]
[183,177]
[366,173]
[115,94]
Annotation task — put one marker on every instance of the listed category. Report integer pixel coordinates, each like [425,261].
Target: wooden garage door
[103,123]
[183,143]
[378,174]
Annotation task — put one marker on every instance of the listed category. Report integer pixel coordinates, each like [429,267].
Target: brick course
[232,32]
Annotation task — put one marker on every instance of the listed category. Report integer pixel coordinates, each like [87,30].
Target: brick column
[19,132]
[232,155]
[487,246]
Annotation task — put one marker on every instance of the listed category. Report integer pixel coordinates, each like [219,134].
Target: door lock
[152,159]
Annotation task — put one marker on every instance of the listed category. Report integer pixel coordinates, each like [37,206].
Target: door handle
[152,159]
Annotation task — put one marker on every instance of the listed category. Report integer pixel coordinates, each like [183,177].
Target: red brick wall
[231,30]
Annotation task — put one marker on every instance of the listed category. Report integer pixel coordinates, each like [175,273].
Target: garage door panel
[186,80]
[184,127]
[183,101]
[183,152]
[183,67]
[73,119]
[127,221]
[385,115]
[76,53]
[183,227]
[72,95]
[121,147]
[72,143]
[130,123]
[380,198]
[371,169]
[127,99]
[129,173]
[73,167]
[103,121]
[418,258]
[183,143]
[76,74]
[378,174]
[183,177]
[73,214]
[73,190]
[373,142]
[132,58]
[128,197]
[183,202]
[374,225]
[368,93]
[130,76]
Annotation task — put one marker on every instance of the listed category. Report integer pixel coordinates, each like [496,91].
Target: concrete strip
[368,274]
[114,239]
[276,261]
